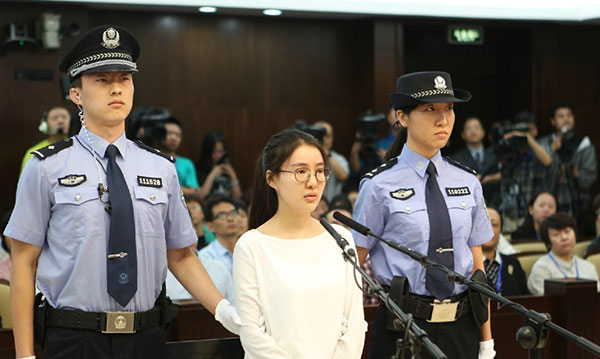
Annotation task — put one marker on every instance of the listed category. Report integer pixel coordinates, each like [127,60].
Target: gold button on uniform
[77,197]
[407,208]
[152,197]
[464,204]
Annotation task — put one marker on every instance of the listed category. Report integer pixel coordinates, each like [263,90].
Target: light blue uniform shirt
[403,218]
[71,225]
[216,251]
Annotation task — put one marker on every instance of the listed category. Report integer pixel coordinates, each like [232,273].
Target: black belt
[436,311]
[105,322]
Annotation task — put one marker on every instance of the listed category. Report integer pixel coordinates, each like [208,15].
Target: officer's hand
[227,315]
[486,350]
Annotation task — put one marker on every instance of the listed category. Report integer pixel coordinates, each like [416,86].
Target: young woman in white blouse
[296,295]
[558,232]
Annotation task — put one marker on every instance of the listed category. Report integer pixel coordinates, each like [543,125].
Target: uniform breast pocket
[460,209]
[77,212]
[150,207]
[409,219]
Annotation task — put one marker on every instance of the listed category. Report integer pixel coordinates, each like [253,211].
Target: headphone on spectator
[43,127]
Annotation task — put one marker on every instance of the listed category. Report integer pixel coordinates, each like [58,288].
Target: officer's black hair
[76,82]
[278,149]
[557,221]
[561,104]
[400,140]
[213,200]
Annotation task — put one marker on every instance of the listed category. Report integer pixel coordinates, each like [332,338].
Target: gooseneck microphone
[351,223]
[344,245]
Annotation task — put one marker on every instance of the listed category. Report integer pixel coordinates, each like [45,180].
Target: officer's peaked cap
[426,87]
[106,48]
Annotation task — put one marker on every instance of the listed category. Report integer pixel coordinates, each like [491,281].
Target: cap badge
[110,38]
[439,83]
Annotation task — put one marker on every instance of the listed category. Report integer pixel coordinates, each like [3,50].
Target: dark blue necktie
[122,258]
[440,238]
[478,161]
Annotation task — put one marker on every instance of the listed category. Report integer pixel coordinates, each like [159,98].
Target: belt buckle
[119,323]
[443,311]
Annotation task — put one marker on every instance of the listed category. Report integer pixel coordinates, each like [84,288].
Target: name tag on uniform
[403,193]
[72,180]
[149,181]
[458,191]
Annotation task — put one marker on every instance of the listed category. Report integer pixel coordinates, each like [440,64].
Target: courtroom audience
[216,174]
[242,208]
[222,218]
[186,172]
[559,233]
[541,205]
[322,207]
[337,163]
[194,206]
[594,246]
[504,273]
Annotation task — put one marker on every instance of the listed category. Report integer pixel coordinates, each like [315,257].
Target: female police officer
[434,206]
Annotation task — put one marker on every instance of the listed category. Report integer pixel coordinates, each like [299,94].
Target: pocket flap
[150,195]
[76,196]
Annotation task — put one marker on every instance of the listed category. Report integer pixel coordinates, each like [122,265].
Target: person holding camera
[336,162]
[214,169]
[574,168]
[364,155]
[433,205]
[186,172]
[523,162]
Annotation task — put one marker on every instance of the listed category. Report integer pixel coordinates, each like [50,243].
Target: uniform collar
[419,163]
[99,145]
[497,258]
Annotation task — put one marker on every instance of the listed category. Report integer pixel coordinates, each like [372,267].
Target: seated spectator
[218,273]
[559,233]
[338,164]
[540,207]
[242,208]
[483,160]
[214,169]
[54,124]
[194,206]
[6,263]
[504,273]
[322,207]
[595,245]
[341,201]
[352,196]
[184,166]
[222,218]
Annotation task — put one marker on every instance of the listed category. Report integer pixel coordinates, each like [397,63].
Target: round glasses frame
[303,175]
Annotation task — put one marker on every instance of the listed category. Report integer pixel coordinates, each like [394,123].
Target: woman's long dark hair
[205,163]
[277,150]
[400,140]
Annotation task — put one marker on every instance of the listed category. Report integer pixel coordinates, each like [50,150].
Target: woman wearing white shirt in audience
[558,232]
[294,292]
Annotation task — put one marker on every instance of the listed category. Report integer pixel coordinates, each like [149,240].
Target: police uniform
[63,207]
[392,203]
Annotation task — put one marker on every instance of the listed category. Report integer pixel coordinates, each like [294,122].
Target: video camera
[147,124]
[317,132]
[367,123]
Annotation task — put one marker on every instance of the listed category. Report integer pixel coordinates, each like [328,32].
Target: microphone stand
[416,335]
[531,336]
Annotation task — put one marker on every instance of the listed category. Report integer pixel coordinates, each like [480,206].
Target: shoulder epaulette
[460,165]
[389,164]
[154,150]
[56,147]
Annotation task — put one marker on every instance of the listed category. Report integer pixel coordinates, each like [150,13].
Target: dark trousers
[458,339]
[63,343]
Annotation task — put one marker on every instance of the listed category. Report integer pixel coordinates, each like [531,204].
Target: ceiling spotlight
[207,9]
[272,12]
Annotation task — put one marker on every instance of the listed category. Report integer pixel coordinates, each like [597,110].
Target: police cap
[106,48]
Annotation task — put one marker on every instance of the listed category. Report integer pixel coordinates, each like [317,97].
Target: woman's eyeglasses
[303,174]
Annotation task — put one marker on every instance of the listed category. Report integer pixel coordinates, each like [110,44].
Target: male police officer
[102,217]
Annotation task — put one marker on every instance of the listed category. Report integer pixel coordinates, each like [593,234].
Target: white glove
[486,349]
[227,315]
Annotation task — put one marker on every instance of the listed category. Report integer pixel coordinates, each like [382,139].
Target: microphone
[352,223]
[344,245]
